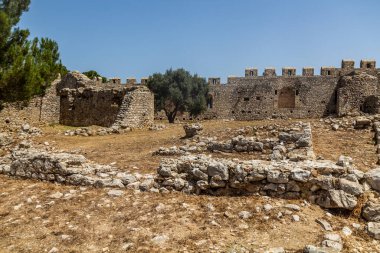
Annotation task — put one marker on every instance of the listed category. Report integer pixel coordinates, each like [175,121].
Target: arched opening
[210,101]
[287,98]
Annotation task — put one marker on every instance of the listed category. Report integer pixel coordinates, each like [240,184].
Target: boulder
[192,129]
[372,177]
[362,122]
[218,169]
[371,211]
[336,199]
[373,229]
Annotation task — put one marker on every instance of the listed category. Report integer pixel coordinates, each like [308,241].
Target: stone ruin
[75,100]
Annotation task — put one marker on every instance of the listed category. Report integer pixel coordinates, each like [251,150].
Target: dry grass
[94,221]
[133,150]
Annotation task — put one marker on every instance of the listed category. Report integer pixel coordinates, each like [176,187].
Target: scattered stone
[275,250]
[325,224]
[115,193]
[53,250]
[335,127]
[267,207]
[56,195]
[245,215]
[296,218]
[346,231]
[372,177]
[192,129]
[374,229]
[293,207]
[160,239]
[371,211]
[332,241]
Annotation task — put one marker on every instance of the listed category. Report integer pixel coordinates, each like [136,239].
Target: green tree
[27,67]
[178,91]
[92,73]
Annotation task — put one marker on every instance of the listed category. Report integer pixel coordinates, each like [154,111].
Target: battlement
[251,72]
[328,71]
[347,66]
[115,80]
[213,80]
[269,72]
[308,71]
[288,71]
[368,64]
[131,81]
[144,80]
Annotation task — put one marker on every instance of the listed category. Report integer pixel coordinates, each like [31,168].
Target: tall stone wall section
[137,109]
[85,102]
[50,105]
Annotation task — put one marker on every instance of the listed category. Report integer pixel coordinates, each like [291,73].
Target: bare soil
[89,220]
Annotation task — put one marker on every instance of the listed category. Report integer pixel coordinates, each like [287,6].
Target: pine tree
[27,67]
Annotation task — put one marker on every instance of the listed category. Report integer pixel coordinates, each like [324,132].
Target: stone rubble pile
[294,143]
[351,122]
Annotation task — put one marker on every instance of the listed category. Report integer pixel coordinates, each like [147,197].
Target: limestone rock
[325,224]
[192,129]
[245,215]
[115,193]
[336,199]
[373,229]
[332,241]
[372,177]
[371,211]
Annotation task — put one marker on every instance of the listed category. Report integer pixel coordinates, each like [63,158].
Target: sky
[125,38]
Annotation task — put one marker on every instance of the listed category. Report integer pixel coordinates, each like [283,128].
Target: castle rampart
[296,96]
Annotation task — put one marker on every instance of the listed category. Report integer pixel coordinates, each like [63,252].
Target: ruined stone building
[75,100]
[340,91]
[85,102]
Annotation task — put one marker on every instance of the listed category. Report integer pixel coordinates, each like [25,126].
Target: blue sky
[128,38]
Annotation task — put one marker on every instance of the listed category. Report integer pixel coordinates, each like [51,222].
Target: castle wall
[263,97]
[335,90]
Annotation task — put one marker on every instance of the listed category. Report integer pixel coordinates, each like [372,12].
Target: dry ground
[88,220]
[134,149]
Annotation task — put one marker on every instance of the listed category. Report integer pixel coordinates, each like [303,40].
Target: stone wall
[137,108]
[290,96]
[122,106]
[40,109]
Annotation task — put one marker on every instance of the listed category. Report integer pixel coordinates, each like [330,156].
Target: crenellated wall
[271,96]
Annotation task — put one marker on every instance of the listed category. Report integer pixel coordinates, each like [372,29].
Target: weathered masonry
[341,91]
[75,100]
[85,102]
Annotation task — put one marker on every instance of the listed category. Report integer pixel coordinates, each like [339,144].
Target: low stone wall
[323,182]
[63,168]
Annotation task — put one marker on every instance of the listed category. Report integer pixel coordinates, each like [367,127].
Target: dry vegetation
[89,220]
